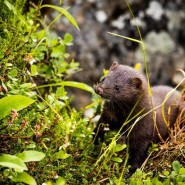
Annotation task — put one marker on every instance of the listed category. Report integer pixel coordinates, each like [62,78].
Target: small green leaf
[60,155]
[25,178]
[14,102]
[34,71]
[56,51]
[182,171]
[27,86]
[176,166]
[117,159]
[166,173]
[10,6]
[61,93]
[13,73]
[68,39]
[4,87]
[12,161]
[119,147]
[173,174]
[31,155]
[31,146]
[60,181]
[166,182]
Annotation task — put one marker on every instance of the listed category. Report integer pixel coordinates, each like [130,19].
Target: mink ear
[136,82]
[114,66]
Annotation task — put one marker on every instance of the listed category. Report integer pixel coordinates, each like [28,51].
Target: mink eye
[117,87]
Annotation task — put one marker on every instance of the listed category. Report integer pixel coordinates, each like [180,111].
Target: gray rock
[155,10]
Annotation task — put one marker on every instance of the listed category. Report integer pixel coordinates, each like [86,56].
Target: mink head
[122,84]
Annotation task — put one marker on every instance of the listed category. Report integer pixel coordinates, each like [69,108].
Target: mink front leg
[107,119]
[138,148]
[99,130]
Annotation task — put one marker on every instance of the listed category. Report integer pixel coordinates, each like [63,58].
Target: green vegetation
[43,139]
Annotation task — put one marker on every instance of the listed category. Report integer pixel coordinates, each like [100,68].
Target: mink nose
[99,90]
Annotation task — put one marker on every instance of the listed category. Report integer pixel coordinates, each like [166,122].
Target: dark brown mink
[125,88]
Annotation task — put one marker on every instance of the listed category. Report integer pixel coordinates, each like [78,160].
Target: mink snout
[99,90]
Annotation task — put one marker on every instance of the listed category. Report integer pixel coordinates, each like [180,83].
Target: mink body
[125,88]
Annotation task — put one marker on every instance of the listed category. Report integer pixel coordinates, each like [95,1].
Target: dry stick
[103,180]
[146,160]
[182,152]
[5,136]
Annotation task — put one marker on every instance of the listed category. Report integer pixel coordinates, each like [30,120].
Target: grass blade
[65,13]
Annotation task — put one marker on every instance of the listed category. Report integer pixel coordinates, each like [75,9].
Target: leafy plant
[35,108]
[17,167]
[10,103]
[177,176]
